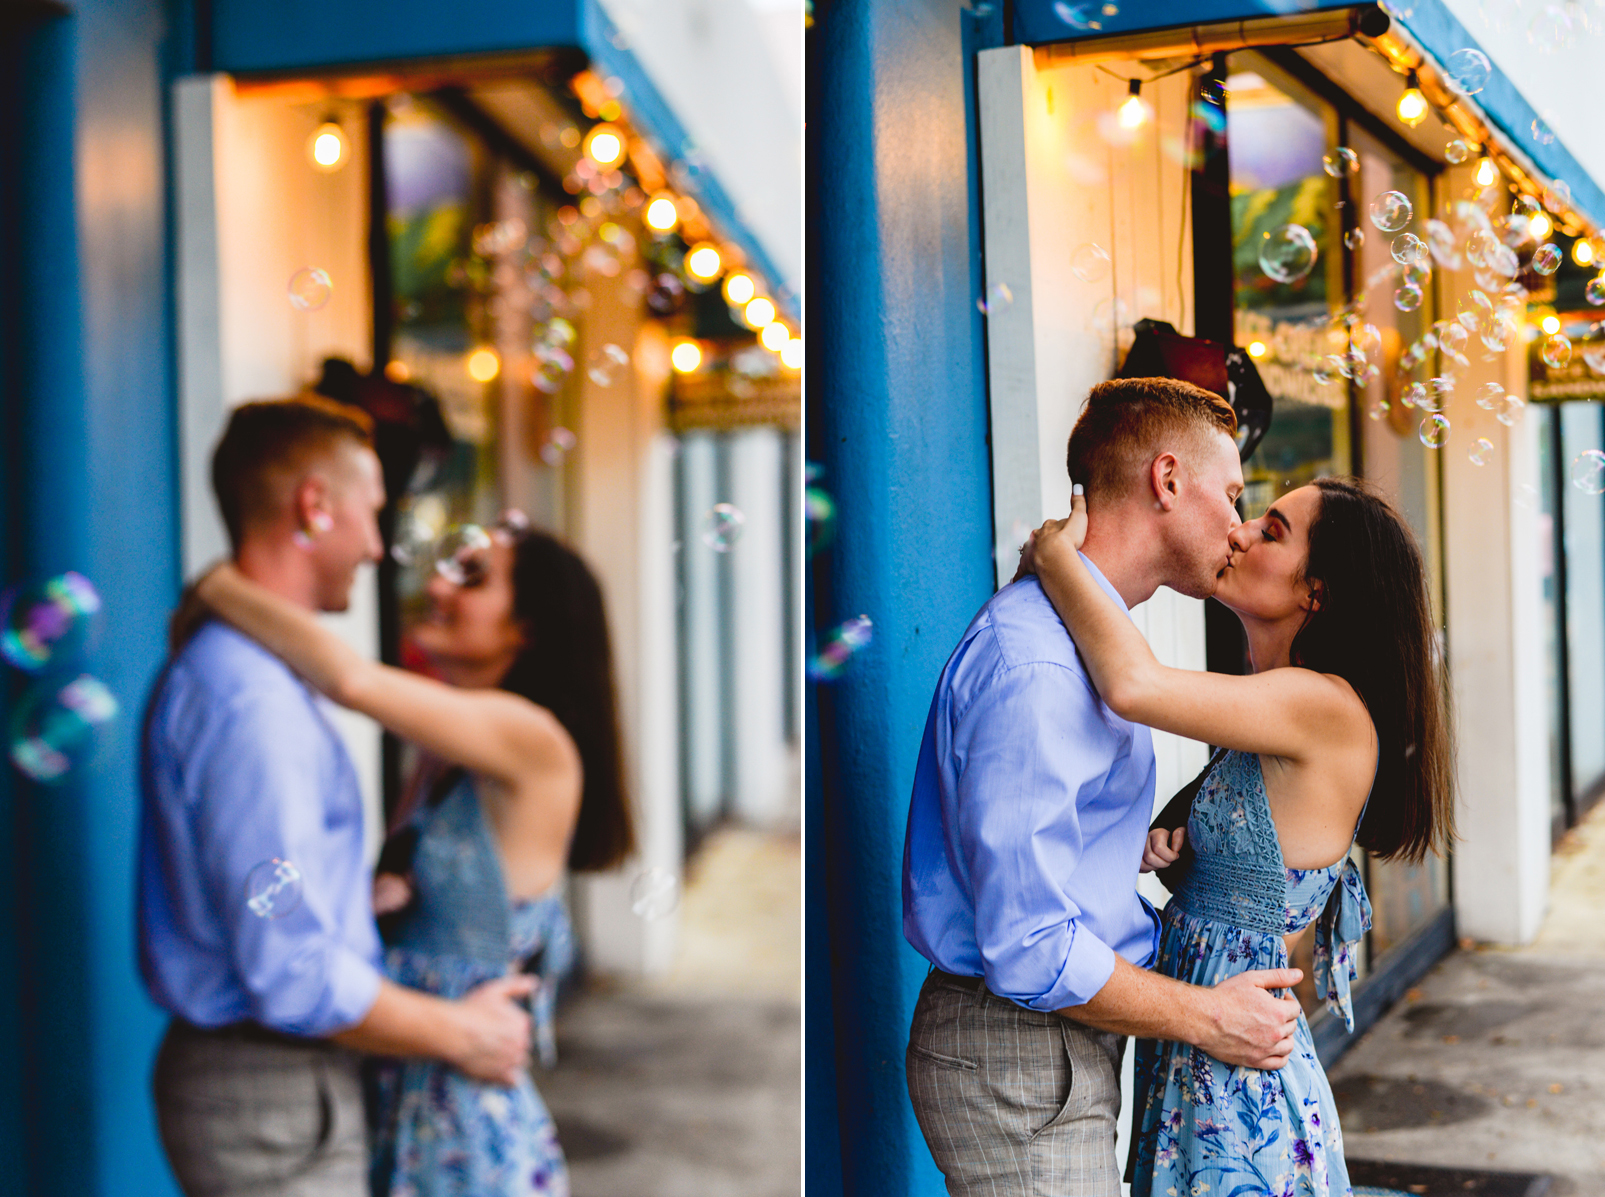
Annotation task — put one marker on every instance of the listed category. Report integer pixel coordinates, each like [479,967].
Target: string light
[703,261]
[791,354]
[738,288]
[1550,324]
[327,147]
[1256,349]
[686,356]
[604,145]
[1412,105]
[1133,111]
[1582,251]
[661,214]
[775,336]
[759,313]
[1487,172]
[484,364]
[1539,226]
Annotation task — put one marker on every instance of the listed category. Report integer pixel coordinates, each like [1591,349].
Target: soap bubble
[1490,396]
[1482,451]
[1588,472]
[1328,369]
[1594,292]
[1367,338]
[1354,238]
[1558,196]
[841,645]
[460,555]
[273,889]
[1546,258]
[1452,342]
[1415,395]
[46,623]
[1511,412]
[1476,310]
[1556,351]
[998,297]
[605,364]
[1391,211]
[654,893]
[1457,151]
[559,444]
[1287,253]
[1379,409]
[1594,357]
[1541,132]
[819,511]
[1408,250]
[57,727]
[722,526]
[665,294]
[1089,263]
[1434,432]
[1340,162]
[1550,29]
[310,288]
[1407,298]
[552,366]
[1083,17]
[1468,71]
[1479,245]
[1502,260]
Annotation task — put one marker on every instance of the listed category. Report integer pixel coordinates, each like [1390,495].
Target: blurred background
[555,251]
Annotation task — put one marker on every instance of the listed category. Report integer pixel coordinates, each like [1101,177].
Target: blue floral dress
[437,1132]
[1208,1129]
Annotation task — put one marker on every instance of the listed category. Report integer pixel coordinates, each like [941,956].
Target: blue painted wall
[90,485]
[896,403]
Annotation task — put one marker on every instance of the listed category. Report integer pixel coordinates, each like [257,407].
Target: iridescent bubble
[1594,357]
[1391,211]
[1500,331]
[1354,238]
[1476,310]
[1415,395]
[1556,351]
[819,511]
[1089,263]
[1452,341]
[1541,132]
[310,288]
[1479,245]
[56,728]
[1546,258]
[654,893]
[460,554]
[1408,250]
[1407,298]
[552,366]
[1367,338]
[841,645]
[559,443]
[1594,292]
[1523,208]
[666,294]
[721,527]
[273,889]
[997,299]
[1328,369]
[47,623]
[1434,430]
[1441,242]
[1481,452]
[1457,151]
[1468,71]
[1550,29]
[1490,396]
[1588,472]
[1287,253]
[606,364]
[1558,196]
[1511,412]
[1341,161]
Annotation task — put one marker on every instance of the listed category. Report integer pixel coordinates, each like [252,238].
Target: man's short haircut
[1127,422]
[273,438]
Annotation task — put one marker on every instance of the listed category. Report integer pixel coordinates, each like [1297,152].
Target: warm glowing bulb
[1582,252]
[1256,349]
[686,356]
[604,145]
[775,336]
[1487,172]
[327,147]
[791,354]
[1132,113]
[1539,226]
[1412,107]
[397,370]
[661,214]
[703,261]
[759,313]
[738,288]
[1550,324]
[483,364]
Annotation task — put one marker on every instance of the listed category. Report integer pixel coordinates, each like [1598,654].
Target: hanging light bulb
[1412,105]
[686,356]
[662,214]
[1550,324]
[1582,251]
[1133,111]
[703,261]
[1487,172]
[604,145]
[738,288]
[1540,226]
[327,147]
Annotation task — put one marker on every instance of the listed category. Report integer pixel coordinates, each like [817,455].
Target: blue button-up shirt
[1031,805]
[240,765]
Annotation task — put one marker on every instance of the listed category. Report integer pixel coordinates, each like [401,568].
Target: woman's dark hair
[567,667]
[1374,629]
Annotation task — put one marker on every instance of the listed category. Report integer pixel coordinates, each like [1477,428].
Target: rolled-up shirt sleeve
[261,805]
[1031,741]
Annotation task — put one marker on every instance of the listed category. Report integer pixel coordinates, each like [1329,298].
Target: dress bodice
[461,929]
[1238,878]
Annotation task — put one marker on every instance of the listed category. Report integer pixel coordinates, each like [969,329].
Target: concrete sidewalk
[1497,1059]
[691,1086]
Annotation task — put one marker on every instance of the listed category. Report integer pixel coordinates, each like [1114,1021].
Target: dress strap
[1346,918]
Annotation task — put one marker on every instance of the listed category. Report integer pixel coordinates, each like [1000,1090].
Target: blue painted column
[896,405]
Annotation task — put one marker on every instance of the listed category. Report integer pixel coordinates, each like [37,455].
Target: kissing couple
[1030,814]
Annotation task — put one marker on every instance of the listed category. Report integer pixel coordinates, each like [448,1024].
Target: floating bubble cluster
[273,889]
[47,623]
[721,527]
[1089,263]
[1588,472]
[460,554]
[57,727]
[1287,253]
[309,288]
[840,646]
[654,893]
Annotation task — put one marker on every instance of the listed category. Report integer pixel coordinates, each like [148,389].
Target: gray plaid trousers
[1013,1102]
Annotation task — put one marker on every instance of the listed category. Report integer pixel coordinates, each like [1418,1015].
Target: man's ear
[1164,480]
[309,502]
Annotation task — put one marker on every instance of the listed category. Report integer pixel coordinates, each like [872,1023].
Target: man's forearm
[1137,1002]
[405,1022]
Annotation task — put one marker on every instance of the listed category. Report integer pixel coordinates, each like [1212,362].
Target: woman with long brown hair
[524,723]
[1340,735]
